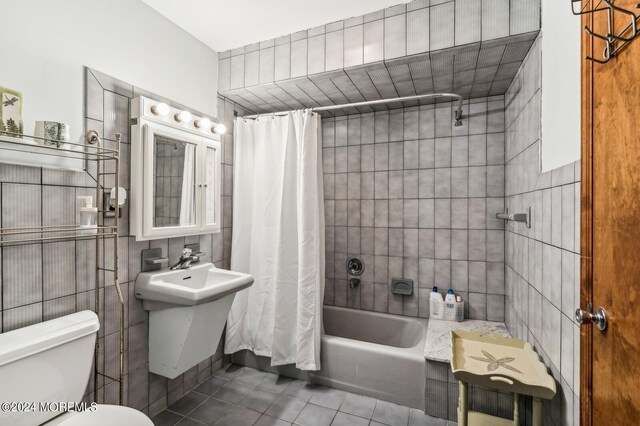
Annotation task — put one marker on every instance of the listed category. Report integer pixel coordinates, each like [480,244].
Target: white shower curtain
[278,237]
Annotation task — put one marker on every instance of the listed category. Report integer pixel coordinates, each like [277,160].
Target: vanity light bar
[185,117]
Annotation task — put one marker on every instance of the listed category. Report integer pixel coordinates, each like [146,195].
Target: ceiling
[227,24]
[472,71]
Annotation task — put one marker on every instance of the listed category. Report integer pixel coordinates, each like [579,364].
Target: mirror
[175,182]
[175,175]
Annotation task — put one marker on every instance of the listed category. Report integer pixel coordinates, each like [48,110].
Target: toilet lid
[104,415]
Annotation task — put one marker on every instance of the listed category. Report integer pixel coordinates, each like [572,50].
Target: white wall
[46,43]
[560,84]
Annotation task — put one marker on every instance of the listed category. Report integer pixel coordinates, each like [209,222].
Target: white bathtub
[367,353]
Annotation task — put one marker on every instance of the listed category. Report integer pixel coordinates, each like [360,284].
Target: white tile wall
[373,41]
[495,19]
[418,31]
[237,71]
[282,61]
[267,65]
[252,68]
[442,26]
[335,47]
[468,15]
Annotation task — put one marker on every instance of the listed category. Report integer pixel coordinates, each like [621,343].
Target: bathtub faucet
[354,282]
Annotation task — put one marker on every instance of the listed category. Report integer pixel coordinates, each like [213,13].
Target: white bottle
[451,296]
[436,304]
[450,305]
[88,216]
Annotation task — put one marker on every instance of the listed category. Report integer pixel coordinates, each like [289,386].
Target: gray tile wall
[465,47]
[542,271]
[415,197]
[44,281]
[406,29]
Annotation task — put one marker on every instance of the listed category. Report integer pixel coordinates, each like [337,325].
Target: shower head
[458,119]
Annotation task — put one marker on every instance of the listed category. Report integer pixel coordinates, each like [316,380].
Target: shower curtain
[278,237]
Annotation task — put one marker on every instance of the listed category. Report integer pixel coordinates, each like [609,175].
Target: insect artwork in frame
[10,113]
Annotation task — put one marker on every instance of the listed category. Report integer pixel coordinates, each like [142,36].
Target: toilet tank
[46,362]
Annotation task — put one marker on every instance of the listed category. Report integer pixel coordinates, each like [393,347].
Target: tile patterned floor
[239,396]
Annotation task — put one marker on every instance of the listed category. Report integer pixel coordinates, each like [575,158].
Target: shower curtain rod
[458,115]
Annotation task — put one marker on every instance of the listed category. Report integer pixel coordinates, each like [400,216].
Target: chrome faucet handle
[186,252]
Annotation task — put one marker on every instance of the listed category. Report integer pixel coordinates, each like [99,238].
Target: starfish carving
[495,363]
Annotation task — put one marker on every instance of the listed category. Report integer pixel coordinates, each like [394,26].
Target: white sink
[188,310]
[199,284]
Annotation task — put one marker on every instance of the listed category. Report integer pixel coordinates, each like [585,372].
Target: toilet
[50,362]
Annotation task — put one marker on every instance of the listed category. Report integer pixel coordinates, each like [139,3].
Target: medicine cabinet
[175,172]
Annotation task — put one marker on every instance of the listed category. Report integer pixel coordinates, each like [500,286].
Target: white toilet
[51,362]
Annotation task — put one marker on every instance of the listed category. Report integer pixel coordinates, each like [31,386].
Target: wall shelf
[27,150]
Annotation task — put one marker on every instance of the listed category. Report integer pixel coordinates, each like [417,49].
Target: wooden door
[610,240]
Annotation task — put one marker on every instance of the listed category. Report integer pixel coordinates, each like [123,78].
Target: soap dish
[402,286]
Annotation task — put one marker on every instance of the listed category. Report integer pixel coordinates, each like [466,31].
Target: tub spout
[354,282]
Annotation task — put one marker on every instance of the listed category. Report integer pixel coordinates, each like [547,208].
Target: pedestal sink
[188,310]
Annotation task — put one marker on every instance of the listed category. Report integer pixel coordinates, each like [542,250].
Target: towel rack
[106,173]
[614,43]
[517,217]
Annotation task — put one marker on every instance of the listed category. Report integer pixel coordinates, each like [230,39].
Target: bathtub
[367,353]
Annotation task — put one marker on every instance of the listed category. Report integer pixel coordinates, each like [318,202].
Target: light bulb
[160,109]
[220,129]
[183,117]
[203,123]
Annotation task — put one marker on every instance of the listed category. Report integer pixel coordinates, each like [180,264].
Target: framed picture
[11,112]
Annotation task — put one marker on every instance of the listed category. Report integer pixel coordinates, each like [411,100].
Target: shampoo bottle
[451,296]
[436,304]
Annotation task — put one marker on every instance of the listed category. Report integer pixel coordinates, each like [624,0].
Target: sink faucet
[188,257]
